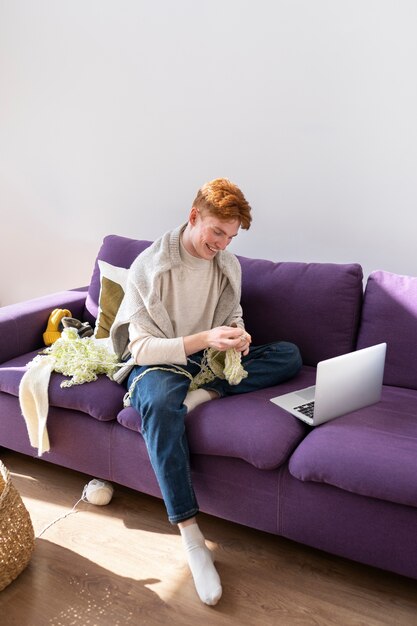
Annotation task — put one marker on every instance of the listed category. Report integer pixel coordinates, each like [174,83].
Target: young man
[182,297]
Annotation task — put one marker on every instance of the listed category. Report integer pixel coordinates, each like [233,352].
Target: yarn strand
[61,517]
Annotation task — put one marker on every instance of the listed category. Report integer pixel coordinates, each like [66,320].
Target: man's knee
[159,393]
[293,355]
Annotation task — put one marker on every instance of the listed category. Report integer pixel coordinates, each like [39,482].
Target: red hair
[222,198]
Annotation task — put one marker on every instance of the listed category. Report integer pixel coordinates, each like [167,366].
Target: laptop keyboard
[306,409]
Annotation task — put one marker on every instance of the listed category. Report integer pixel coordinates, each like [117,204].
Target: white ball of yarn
[98,492]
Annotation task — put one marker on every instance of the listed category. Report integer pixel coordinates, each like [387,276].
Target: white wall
[113,113]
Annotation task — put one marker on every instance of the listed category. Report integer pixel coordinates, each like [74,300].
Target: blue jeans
[159,395]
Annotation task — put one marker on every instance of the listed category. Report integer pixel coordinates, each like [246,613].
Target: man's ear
[193,216]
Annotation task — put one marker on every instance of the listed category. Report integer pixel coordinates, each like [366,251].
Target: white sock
[200,560]
[198,396]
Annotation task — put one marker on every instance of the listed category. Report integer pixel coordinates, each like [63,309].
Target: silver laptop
[343,384]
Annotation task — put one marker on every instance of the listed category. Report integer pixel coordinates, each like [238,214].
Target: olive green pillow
[112,289]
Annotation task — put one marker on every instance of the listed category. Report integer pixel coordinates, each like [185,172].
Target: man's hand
[225,337]
[220,338]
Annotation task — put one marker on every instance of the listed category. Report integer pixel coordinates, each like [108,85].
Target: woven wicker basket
[16,531]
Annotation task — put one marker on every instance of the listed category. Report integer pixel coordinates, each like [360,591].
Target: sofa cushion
[317,306]
[247,426]
[118,251]
[102,399]
[113,281]
[390,314]
[371,452]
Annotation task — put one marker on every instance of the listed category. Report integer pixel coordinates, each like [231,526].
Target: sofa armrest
[23,324]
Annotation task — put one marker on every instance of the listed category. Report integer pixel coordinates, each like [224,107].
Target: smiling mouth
[211,249]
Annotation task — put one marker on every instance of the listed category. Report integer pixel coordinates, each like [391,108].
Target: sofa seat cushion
[247,426]
[371,452]
[102,399]
[390,314]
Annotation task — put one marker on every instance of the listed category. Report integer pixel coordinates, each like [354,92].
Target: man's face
[209,234]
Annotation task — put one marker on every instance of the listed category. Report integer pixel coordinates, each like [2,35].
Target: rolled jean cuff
[176,519]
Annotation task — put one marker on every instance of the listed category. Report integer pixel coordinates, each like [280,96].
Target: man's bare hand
[225,337]
[220,338]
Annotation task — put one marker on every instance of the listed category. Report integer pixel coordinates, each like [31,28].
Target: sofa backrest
[390,314]
[315,305]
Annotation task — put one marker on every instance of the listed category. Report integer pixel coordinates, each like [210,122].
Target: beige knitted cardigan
[142,302]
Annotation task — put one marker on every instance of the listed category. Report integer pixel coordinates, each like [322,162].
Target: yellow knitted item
[220,364]
[52,332]
[234,371]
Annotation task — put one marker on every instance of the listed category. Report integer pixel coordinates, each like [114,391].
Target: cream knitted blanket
[34,402]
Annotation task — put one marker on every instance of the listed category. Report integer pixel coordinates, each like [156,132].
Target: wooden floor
[122,564]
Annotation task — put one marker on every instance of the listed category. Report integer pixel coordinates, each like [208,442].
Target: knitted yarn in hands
[234,371]
[216,364]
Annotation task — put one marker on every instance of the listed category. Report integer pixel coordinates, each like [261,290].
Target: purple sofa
[348,487]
